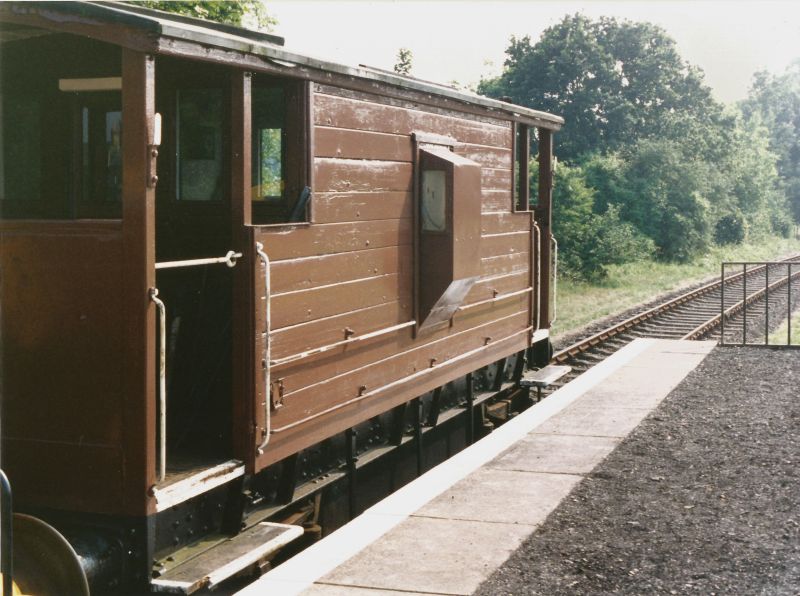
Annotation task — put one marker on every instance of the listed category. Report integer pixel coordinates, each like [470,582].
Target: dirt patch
[702,498]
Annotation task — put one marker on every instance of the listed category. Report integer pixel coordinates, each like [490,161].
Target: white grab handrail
[267,349]
[162,383]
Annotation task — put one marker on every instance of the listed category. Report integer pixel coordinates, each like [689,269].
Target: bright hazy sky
[462,41]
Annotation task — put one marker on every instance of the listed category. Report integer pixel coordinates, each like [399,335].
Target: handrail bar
[267,348]
[537,232]
[344,342]
[162,383]
[6,535]
[229,259]
[555,279]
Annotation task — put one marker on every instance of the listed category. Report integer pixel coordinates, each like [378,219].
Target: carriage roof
[160,32]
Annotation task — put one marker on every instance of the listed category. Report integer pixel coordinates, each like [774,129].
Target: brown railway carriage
[376,238]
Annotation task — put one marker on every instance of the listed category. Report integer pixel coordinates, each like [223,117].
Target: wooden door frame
[138,232]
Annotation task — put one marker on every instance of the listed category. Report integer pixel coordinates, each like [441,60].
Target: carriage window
[200,148]
[279,161]
[60,127]
[522,156]
[20,161]
[99,154]
[269,131]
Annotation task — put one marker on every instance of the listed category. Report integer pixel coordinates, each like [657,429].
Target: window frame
[520,174]
[296,152]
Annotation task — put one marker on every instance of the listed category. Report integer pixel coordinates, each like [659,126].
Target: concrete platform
[447,531]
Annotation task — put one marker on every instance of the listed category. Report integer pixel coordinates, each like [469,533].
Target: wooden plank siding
[351,271]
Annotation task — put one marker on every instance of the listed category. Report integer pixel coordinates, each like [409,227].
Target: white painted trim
[195,485]
[301,571]
[171,586]
[539,335]
[98,84]
[289,533]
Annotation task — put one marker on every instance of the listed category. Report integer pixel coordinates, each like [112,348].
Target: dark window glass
[280,151]
[200,150]
[269,144]
[21,160]
[100,153]
[522,179]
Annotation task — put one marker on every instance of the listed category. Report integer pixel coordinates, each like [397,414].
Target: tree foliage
[613,81]
[590,241]
[404,62]
[774,101]
[657,165]
[232,12]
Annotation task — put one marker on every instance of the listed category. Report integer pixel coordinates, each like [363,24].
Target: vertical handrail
[555,279]
[6,535]
[267,348]
[722,308]
[162,384]
[538,277]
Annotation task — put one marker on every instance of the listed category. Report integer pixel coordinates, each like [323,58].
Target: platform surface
[447,531]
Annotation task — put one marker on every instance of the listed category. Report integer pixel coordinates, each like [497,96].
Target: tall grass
[635,283]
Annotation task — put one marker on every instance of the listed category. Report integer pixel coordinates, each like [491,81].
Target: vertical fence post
[766,304]
[744,304]
[789,307]
[722,309]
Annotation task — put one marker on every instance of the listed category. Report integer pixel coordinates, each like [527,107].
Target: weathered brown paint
[544,218]
[351,272]
[324,426]
[243,353]
[292,242]
[311,272]
[355,114]
[338,207]
[351,175]
[61,296]
[359,144]
[317,369]
[308,305]
[138,234]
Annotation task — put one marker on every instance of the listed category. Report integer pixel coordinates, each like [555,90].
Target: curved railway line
[697,315]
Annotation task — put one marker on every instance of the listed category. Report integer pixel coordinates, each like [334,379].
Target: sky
[457,40]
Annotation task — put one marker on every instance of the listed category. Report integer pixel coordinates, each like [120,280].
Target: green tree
[774,101]
[232,12]
[404,62]
[590,241]
[615,82]
[666,200]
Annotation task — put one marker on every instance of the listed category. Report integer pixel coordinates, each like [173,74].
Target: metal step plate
[545,376]
[226,559]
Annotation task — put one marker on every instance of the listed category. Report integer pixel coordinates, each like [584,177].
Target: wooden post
[243,330]
[138,275]
[545,218]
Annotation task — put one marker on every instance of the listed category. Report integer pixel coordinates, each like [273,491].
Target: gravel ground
[702,498]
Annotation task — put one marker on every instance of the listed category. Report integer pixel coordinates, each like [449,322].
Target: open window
[522,174]
[60,127]
[281,188]
[448,231]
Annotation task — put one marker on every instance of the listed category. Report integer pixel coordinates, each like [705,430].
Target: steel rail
[708,326]
[585,344]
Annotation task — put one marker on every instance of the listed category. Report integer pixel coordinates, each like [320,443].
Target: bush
[730,229]
[589,241]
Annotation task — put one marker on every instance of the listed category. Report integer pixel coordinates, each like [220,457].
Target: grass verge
[780,337]
[630,284]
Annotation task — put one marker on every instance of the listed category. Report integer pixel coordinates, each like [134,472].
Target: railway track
[698,315]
